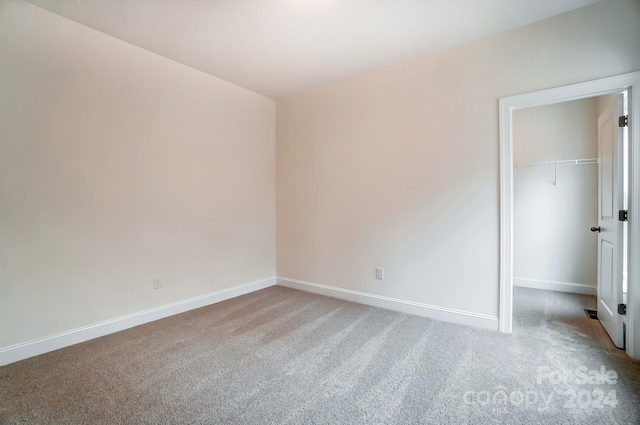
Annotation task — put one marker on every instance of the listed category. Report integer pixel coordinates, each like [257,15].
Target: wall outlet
[157,282]
[379,273]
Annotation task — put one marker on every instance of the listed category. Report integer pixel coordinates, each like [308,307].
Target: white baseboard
[39,346]
[433,312]
[555,285]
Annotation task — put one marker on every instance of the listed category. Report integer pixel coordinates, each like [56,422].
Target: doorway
[556,191]
[612,85]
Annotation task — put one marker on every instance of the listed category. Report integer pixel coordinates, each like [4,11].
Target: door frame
[604,86]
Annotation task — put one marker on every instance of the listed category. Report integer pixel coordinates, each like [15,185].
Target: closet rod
[555,163]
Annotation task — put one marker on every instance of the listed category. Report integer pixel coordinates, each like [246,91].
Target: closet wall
[555,205]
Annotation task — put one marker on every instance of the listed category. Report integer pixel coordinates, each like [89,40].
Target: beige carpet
[288,357]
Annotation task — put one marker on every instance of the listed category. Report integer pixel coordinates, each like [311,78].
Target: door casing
[604,86]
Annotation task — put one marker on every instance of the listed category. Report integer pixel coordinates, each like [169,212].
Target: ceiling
[280,47]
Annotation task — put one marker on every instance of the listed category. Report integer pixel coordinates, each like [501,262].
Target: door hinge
[622,309]
[623,215]
[623,121]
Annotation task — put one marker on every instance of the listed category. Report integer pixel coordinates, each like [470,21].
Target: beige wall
[567,130]
[117,165]
[398,168]
[551,222]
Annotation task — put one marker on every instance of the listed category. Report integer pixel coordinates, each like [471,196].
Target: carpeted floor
[280,356]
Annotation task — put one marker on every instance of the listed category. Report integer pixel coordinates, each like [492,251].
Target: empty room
[319,211]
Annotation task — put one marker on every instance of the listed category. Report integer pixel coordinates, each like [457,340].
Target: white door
[610,201]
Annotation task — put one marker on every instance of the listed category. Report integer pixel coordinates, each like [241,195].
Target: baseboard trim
[555,285]
[433,312]
[39,346]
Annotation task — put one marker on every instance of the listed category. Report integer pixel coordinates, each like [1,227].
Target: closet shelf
[556,163]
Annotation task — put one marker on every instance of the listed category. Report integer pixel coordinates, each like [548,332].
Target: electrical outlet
[379,273]
[157,282]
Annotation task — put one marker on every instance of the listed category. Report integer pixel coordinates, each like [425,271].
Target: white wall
[117,165]
[552,240]
[398,168]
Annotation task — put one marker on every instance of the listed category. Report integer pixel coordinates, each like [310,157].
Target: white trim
[39,346]
[433,312]
[505,309]
[555,285]
[507,105]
